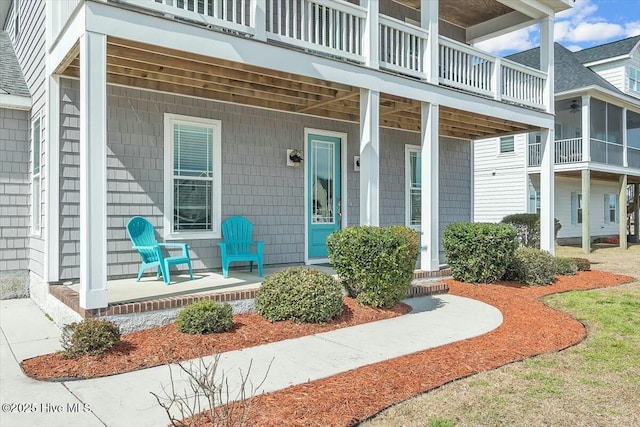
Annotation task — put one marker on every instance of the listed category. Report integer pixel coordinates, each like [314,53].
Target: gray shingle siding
[255,180]
[14,200]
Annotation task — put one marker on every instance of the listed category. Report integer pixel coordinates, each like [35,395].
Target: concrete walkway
[125,400]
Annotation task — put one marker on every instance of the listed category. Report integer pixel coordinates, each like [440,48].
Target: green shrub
[89,337]
[532,266]
[528,228]
[564,266]
[479,252]
[205,316]
[376,264]
[583,264]
[300,294]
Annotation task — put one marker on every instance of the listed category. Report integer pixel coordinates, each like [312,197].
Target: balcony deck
[336,29]
[569,151]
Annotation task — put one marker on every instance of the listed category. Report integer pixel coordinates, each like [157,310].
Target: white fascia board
[117,22]
[68,37]
[499,26]
[607,60]
[620,170]
[603,94]
[532,8]
[15,102]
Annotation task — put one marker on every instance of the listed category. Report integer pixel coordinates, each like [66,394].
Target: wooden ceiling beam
[329,102]
[142,49]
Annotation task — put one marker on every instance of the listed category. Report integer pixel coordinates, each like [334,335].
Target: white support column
[547,225]
[259,18]
[547,59]
[52,235]
[430,22]
[622,207]
[430,239]
[369,157]
[625,161]
[93,170]
[586,211]
[370,38]
[586,128]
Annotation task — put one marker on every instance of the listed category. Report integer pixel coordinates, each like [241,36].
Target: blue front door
[323,191]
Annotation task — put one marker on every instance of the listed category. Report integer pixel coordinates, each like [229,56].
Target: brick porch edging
[71,298]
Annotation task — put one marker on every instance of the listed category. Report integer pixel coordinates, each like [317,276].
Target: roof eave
[15,102]
[606,60]
[627,100]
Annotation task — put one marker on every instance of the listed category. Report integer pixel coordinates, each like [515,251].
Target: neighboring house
[185,112]
[597,148]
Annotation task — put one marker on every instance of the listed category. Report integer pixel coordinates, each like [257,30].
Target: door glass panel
[322,182]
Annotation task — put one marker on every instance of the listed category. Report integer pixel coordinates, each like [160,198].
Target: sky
[588,23]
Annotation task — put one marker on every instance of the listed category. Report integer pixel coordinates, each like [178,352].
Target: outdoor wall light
[294,158]
[356,163]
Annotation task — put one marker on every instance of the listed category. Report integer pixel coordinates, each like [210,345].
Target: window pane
[579,209]
[192,199]
[322,179]
[416,207]
[598,119]
[614,124]
[36,205]
[36,147]
[416,169]
[415,185]
[633,129]
[506,144]
[192,151]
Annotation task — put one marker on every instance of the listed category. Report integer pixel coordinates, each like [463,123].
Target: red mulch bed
[158,346]
[529,328]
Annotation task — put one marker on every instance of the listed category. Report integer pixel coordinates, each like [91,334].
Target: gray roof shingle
[569,73]
[11,78]
[609,50]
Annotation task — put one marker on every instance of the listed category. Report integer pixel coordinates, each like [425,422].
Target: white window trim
[579,208]
[506,153]
[216,190]
[408,149]
[607,218]
[635,71]
[36,214]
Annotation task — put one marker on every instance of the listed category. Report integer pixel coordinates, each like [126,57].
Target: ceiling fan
[574,107]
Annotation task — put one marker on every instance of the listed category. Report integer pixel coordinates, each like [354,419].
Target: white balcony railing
[336,28]
[534,155]
[333,27]
[466,68]
[568,150]
[402,47]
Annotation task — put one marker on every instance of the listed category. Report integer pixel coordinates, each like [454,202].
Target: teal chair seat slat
[144,241]
[238,245]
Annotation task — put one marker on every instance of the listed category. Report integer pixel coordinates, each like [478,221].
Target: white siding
[563,189]
[613,72]
[500,180]
[30,50]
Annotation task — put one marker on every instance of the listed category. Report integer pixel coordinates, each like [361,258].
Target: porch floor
[149,287]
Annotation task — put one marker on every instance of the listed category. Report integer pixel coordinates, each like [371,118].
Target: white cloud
[574,47]
[632,29]
[581,9]
[516,41]
[590,32]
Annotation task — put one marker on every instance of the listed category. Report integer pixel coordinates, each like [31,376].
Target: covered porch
[360,102]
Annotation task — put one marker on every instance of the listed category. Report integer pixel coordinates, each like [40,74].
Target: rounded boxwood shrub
[532,266]
[565,266]
[376,264]
[205,316]
[89,337]
[528,228]
[300,294]
[479,252]
[583,264]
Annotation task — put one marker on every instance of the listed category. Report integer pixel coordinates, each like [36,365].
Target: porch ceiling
[156,68]
[602,176]
[465,13]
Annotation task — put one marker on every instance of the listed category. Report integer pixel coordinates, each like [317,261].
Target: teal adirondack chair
[237,244]
[144,240]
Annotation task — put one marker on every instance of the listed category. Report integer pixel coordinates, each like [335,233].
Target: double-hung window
[634,79]
[413,186]
[192,177]
[36,149]
[610,208]
[576,208]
